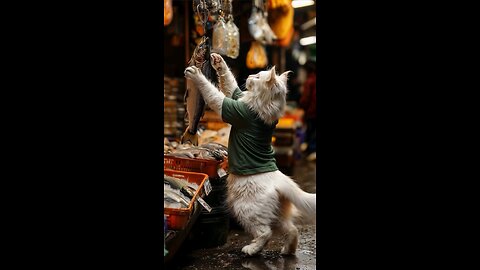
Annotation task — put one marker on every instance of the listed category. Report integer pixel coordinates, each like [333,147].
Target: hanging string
[228,6]
[202,12]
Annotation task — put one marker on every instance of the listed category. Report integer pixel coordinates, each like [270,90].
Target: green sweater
[250,148]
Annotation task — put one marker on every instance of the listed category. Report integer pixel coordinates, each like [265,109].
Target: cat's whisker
[243,86]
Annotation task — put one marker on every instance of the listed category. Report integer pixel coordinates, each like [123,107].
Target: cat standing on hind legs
[259,196]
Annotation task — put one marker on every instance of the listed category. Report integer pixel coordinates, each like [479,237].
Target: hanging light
[302,59]
[308,40]
[302,3]
[309,24]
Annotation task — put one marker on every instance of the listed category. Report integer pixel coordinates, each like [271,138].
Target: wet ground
[229,255]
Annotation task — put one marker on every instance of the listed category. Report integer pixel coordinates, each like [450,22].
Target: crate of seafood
[178,207]
[210,159]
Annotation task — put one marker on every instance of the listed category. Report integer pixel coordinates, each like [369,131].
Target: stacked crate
[173,106]
[211,229]
[285,143]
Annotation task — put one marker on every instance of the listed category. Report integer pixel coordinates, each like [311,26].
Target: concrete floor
[229,256]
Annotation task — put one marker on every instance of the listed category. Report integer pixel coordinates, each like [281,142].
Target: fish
[187,189]
[196,153]
[182,154]
[193,98]
[171,196]
[183,146]
[181,184]
[216,148]
[211,154]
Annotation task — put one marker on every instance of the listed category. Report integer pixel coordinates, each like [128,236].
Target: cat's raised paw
[191,72]
[217,62]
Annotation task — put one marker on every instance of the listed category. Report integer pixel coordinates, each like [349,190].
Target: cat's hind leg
[262,234]
[291,238]
[256,218]
[287,226]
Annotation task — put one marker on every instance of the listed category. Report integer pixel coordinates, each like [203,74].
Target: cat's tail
[306,203]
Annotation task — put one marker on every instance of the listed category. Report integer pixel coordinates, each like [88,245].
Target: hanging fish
[193,97]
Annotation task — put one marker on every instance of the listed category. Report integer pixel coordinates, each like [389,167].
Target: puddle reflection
[281,263]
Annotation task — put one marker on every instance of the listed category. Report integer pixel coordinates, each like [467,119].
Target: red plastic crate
[208,167]
[177,218]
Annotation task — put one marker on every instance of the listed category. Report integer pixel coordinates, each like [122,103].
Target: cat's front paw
[192,72]
[288,250]
[218,63]
[251,249]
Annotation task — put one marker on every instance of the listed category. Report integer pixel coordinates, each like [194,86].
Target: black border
[90,119]
[90,134]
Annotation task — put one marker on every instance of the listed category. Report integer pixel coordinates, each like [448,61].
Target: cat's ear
[272,75]
[284,76]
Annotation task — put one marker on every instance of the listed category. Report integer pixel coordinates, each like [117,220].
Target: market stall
[251,36]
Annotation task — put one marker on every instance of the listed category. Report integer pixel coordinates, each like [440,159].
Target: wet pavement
[229,255]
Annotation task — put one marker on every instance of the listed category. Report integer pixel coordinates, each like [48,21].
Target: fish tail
[187,136]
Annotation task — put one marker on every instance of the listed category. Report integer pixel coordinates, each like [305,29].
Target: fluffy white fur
[263,201]
[266,94]
[226,80]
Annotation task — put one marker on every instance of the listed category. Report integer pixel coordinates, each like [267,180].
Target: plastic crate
[284,138]
[177,218]
[208,167]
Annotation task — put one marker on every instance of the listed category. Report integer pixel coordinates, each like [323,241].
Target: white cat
[259,196]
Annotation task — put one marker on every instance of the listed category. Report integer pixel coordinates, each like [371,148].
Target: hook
[206,13]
